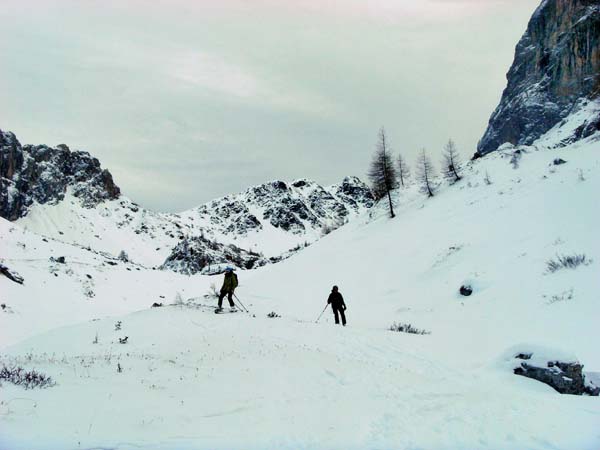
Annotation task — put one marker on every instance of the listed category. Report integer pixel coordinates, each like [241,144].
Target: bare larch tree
[425,173]
[451,164]
[382,172]
[403,170]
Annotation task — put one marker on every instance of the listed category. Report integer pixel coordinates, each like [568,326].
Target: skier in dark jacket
[337,304]
[230,282]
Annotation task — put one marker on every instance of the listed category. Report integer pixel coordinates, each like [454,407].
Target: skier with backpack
[337,305]
[230,282]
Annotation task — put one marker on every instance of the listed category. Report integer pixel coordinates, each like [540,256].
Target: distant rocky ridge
[555,72]
[292,207]
[66,195]
[42,174]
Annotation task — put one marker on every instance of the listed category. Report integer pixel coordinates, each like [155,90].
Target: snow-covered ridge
[67,196]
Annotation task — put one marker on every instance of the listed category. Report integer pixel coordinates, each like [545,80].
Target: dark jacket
[230,282]
[336,300]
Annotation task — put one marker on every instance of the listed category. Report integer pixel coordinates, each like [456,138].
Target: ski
[226,311]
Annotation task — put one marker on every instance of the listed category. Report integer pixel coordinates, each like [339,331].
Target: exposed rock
[556,66]
[11,275]
[298,208]
[558,161]
[42,174]
[564,377]
[466,290]
[201,255]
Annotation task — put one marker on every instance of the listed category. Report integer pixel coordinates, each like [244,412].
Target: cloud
[212,73]
[205,97]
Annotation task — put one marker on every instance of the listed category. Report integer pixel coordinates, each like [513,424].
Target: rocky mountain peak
[42,174]
[294,207]
[556,70]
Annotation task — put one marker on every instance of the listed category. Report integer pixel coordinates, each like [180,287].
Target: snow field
[193,379]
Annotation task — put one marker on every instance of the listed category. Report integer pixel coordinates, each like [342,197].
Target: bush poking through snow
[562,297]
[178,300]
[567,262]
[29,379]
[515,159]
[487,179]
[212,292]
[407,328]
[273,315]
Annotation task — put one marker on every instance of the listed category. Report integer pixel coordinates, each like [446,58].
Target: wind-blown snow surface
[193,379]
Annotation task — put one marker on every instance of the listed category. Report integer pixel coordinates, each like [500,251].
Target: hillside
[66,195]
[191,379]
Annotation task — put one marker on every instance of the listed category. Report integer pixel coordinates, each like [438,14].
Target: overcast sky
[184,101]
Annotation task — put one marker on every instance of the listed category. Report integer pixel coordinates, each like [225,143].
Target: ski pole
[321,313]
[236,297]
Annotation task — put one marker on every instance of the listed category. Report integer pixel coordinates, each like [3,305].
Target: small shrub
[487,179]
[212,292]
[29,379]
[567,262]
[407,328]
[515,159]
[273,315]
[178,300]
[562,297]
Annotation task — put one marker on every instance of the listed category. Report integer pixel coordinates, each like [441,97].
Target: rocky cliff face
[556,70]
[297,207]
[42,174]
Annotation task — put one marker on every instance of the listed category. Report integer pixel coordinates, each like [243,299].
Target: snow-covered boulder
[561,371]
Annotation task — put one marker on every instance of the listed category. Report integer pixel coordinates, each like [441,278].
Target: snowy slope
[271,218]
[68,196]
[191,379]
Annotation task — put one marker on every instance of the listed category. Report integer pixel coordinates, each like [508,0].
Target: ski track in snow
[193,379]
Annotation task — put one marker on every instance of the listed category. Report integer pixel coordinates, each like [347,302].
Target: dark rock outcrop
[201,255]
[564,377]
[38,173]
[556,67]
[465,290]
[11,275]
[297,207]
